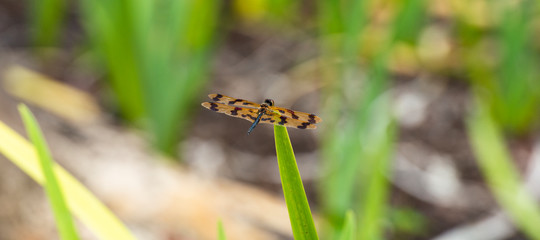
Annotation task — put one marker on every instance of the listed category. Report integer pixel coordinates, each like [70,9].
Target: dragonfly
[265,112]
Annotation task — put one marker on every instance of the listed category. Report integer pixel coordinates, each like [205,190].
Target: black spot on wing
[311,118]
[304,125]
[235,101]
[234,112]
[281,111]
[217,97]
[283,120]
[270,120]
[213,107]
[249,116]
[294,116]
[245,103]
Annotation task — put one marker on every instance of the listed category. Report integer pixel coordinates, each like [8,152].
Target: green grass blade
[302,223]
[114,36]
[349,227]
[518,95]
[221,231]
[85,206]
[64,221]
[377,139]
[46,20]
[501,175]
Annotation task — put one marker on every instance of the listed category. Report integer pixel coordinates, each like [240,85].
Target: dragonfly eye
[270,102]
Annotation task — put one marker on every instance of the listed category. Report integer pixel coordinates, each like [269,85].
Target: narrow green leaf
[46,21]
[349,227]
[302,223]
[64,221]
[502,176]
[377,138]
[221,231]
[82,203]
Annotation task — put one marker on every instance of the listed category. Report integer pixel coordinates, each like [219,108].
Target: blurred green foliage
[349,227]
[358,143]
[281,12]
[157,55]
[501,175]
[503,65]
[407,221]
[46,18]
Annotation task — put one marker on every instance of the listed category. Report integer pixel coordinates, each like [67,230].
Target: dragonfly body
[255,123]
[261,113]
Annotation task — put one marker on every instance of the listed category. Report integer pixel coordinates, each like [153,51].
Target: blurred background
[429,108]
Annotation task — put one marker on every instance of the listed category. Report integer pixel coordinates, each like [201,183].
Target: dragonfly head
[269,102]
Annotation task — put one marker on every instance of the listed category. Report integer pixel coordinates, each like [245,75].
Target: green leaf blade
[221,231]
[64,221]
[302,223]
[349,227]
[46,18]
[501,174]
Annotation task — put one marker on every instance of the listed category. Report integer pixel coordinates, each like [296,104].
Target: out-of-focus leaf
[46,21]
[349,227]
[221,231]
[502,176]
[64,222]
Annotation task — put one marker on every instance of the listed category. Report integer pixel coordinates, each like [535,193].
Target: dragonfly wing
[239,112]
[301,116]
[277,119]
[232,101]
